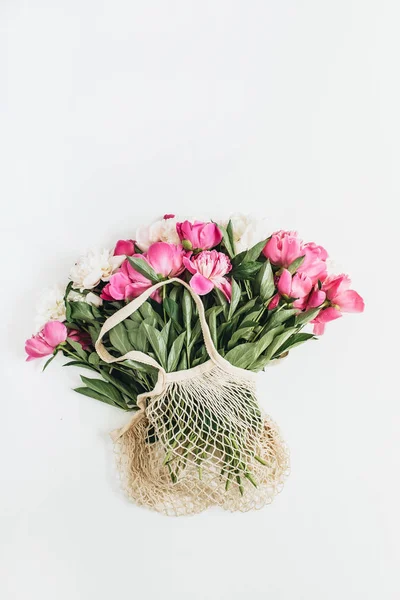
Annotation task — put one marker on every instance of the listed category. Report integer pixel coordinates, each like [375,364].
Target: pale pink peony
[341,299]
[284,247]
[165,259]
[46,341]
[198,235]
[124,247]
[209,269]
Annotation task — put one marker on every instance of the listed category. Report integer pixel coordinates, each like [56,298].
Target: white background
[114,113]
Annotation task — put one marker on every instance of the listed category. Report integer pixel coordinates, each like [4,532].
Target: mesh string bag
[200,438]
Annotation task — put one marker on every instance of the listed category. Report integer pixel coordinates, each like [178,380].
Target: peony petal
[208,235]
[201,285]
[319,328]
[291,249]
[161,257]
[285,283]
[272,251]
[36,347]
[126,247]
[117,285]
[328,314]
[189,265]
[274,302]
[55,333]
[92,279]
[316,298]
[226,288]
[301,285]
[350,301]
[105,294]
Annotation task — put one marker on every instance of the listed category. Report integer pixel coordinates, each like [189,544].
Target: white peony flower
[247,231]
[160,231]
[95,266]
[89,298]
[50,306]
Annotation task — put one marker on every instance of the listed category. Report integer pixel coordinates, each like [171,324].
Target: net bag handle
[133,306]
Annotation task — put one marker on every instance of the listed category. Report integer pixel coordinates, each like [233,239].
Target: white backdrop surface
[114,113]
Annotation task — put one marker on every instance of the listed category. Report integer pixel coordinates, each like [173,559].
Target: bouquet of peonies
[175,324]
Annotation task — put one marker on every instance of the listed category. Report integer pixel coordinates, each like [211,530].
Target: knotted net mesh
[202,441]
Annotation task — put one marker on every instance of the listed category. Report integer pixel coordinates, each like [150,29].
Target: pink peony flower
[82,337]
[285,246]
[164,258]
[341,299]
[315,299]
[46,341]
[198,235]
[297,286]
[274,302]
[126,247]
[209,269]
[314,263]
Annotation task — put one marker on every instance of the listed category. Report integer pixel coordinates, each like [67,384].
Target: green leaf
[175,352]
[148,312]
[265,282]
[124,389]
[67,311]
[78,363]
[222,301]
[85,391]
[235,298]
[131,325]
[142,267]
[48,362]
[307,316]
[81,311]
[254,252]
[244,333]
[239,258]
[278,342]
[295,340]
[94,359]
[247,270]
[265,340]
[187,314]
[136,317]
[157,343]
[103,388]
[172,310]
[67,290]
[140,341]
[137,366]
[243,355]
[247,308]
[78,348]
[229,231]
[119,339]
[281,315]
[94,330]
[212,323]
[165,332]
[292,268]
[226,239]
[183,365]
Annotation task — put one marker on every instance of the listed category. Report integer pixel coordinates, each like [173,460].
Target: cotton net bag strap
[200,437]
